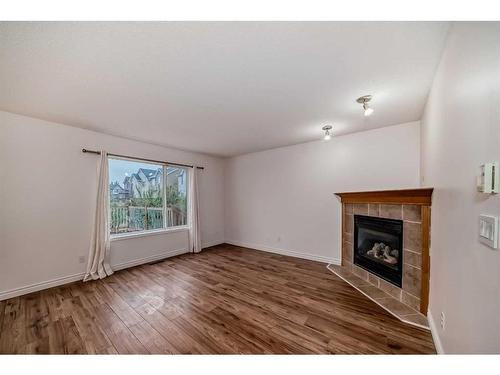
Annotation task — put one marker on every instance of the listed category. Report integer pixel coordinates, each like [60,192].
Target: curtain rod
[84,150]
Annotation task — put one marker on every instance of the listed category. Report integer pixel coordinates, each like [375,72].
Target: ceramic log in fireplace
[378,245]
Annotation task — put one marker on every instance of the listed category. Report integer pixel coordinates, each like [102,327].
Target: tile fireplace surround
[409,303]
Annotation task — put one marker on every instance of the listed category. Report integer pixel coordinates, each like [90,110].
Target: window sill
[126,236]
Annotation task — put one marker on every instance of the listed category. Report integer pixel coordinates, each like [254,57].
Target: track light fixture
[364,100]
[328,135]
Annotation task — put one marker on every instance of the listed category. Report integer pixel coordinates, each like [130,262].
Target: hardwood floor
[225,300]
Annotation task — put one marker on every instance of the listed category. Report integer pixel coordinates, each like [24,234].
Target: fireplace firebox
[378,247]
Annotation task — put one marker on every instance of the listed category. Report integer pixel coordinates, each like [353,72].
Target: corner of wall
[435,334]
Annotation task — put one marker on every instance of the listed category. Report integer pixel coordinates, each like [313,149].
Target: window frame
[165,228]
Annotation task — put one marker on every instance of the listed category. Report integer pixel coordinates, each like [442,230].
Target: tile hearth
[401,311]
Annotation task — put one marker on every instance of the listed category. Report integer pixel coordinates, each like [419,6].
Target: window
[146,196]
[176,196]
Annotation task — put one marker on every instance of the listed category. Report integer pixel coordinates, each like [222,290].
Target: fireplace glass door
[378,246]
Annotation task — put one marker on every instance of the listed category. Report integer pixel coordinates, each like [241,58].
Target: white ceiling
[222,88]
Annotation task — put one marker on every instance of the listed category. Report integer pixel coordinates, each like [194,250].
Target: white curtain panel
[194,212]
[98,265]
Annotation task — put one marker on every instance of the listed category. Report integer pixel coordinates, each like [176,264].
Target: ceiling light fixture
[328,135]
[364,100]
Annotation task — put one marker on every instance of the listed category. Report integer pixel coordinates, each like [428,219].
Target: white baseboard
[144,260]
[435,334]
[295,254]
[40,286]
[69,279]
[211,243]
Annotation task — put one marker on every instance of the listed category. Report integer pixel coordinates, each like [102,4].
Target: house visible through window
[176,196]
[146,196]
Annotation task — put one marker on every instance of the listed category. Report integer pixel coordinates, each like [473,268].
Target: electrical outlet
[81,259]
[442,320]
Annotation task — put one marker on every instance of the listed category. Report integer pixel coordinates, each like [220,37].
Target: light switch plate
[488,178]
[488,230]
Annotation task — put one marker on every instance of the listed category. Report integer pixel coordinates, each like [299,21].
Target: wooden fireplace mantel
[420,196]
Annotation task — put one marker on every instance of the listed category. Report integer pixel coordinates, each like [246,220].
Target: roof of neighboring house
[175,170]
[149,173]
[115,185]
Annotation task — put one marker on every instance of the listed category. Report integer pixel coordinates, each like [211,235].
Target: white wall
[283,199]
[47,195]
[460,131]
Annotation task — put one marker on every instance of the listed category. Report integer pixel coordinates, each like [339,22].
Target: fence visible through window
[133,218]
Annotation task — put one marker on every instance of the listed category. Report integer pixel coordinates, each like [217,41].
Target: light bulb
[368,111]
[327,137]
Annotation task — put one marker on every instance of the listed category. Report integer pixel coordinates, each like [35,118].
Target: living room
[249,187]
